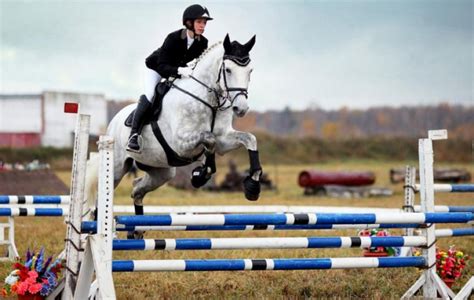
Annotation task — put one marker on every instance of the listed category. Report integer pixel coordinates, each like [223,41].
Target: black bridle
[222,96]
[241,61]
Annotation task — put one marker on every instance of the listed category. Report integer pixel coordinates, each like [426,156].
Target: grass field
[370,283]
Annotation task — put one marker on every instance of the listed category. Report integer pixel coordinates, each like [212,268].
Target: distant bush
[311,150]
[288,150]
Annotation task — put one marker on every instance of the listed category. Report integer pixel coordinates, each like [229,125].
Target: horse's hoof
[251,188]
[200,176]
[135,235]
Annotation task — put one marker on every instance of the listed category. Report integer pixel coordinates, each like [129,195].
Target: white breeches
[151,79]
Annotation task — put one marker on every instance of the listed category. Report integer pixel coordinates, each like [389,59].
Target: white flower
[12,278]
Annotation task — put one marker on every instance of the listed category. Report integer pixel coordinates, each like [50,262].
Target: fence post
[78,176]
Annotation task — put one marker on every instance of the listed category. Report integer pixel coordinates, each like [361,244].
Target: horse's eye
[228,71]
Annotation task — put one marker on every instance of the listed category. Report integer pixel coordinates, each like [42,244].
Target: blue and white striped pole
[450,188]
[91,227]
[34,199]
[454,232]
[269,243]
[446,208]
[291,219]
[59,201]
[33,212]
[265,264]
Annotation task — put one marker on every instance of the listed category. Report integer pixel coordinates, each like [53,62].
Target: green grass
[369,283]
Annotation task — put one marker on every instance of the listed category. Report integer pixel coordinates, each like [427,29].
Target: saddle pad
[160,91]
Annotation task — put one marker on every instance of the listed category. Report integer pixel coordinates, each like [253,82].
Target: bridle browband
[222,96]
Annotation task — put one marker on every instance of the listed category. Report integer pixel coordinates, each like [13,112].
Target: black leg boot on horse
[202,174]
[136,235]
[252,182]
[141,111]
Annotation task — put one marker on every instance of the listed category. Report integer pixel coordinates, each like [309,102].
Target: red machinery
[312,178]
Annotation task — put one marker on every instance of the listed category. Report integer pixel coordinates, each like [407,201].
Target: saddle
[152,117]
[160,91]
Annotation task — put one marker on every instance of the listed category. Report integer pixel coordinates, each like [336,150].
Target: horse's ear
[250,44]
[227,46]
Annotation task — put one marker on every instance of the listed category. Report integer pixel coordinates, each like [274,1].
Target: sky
[308,54]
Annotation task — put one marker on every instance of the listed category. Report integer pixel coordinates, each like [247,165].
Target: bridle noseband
[222,96]
[241,61]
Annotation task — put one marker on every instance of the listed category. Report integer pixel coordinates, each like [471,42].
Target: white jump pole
[98,250]
[429,280]
[78,176]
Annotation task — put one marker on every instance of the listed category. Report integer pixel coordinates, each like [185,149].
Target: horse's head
[234,75]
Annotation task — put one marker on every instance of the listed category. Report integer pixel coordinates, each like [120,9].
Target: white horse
[195,122]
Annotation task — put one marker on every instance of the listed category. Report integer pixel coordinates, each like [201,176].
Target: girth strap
[173,158]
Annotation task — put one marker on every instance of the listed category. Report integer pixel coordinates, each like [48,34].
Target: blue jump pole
[269,243]
[451,188]
[32,212]
[462,188]
[91,227]
[292,219]
[34,199]
[265,264]
[461,209]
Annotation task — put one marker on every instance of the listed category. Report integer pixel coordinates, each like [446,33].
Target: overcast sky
[325,54]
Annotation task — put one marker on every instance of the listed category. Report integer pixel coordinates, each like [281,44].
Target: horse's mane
[207,51]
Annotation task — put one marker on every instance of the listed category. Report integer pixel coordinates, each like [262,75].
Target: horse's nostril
[235,109]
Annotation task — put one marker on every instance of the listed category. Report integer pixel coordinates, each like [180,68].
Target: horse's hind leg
[153,179]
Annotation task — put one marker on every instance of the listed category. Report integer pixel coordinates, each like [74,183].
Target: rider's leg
[144,104]
[138,116]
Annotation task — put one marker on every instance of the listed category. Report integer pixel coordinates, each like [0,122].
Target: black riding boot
[137,124]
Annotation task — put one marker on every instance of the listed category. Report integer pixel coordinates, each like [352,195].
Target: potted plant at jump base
[450,264]
[33,280]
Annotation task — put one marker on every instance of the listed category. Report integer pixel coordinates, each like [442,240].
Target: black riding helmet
[194,12]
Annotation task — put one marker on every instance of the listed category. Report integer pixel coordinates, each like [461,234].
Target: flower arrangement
[377,251]
[36,276]
[449,264]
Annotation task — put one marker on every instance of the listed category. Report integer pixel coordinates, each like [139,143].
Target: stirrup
[139,150]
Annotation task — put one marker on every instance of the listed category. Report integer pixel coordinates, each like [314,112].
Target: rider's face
[199,26]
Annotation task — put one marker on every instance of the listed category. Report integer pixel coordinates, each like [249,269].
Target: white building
[30,120]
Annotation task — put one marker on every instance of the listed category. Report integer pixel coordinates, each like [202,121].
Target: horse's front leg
[235,139]
[190,142]
[202,174]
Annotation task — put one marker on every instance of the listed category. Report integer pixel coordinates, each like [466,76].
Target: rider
[179,48]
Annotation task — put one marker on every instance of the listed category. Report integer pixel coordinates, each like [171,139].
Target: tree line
[345,123]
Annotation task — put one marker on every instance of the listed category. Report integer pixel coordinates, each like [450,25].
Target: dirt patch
[40,182]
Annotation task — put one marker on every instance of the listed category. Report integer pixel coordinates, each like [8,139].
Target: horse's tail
[92,181]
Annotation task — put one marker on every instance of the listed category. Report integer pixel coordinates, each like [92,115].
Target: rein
[241,61]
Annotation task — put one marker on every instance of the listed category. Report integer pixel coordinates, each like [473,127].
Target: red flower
[22,288]
[23,274]
[35,288]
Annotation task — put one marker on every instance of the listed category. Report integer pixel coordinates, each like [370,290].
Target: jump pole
[78,175]
[429,280]
[98,249]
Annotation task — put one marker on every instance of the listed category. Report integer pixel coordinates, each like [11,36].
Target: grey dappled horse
[195,122]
